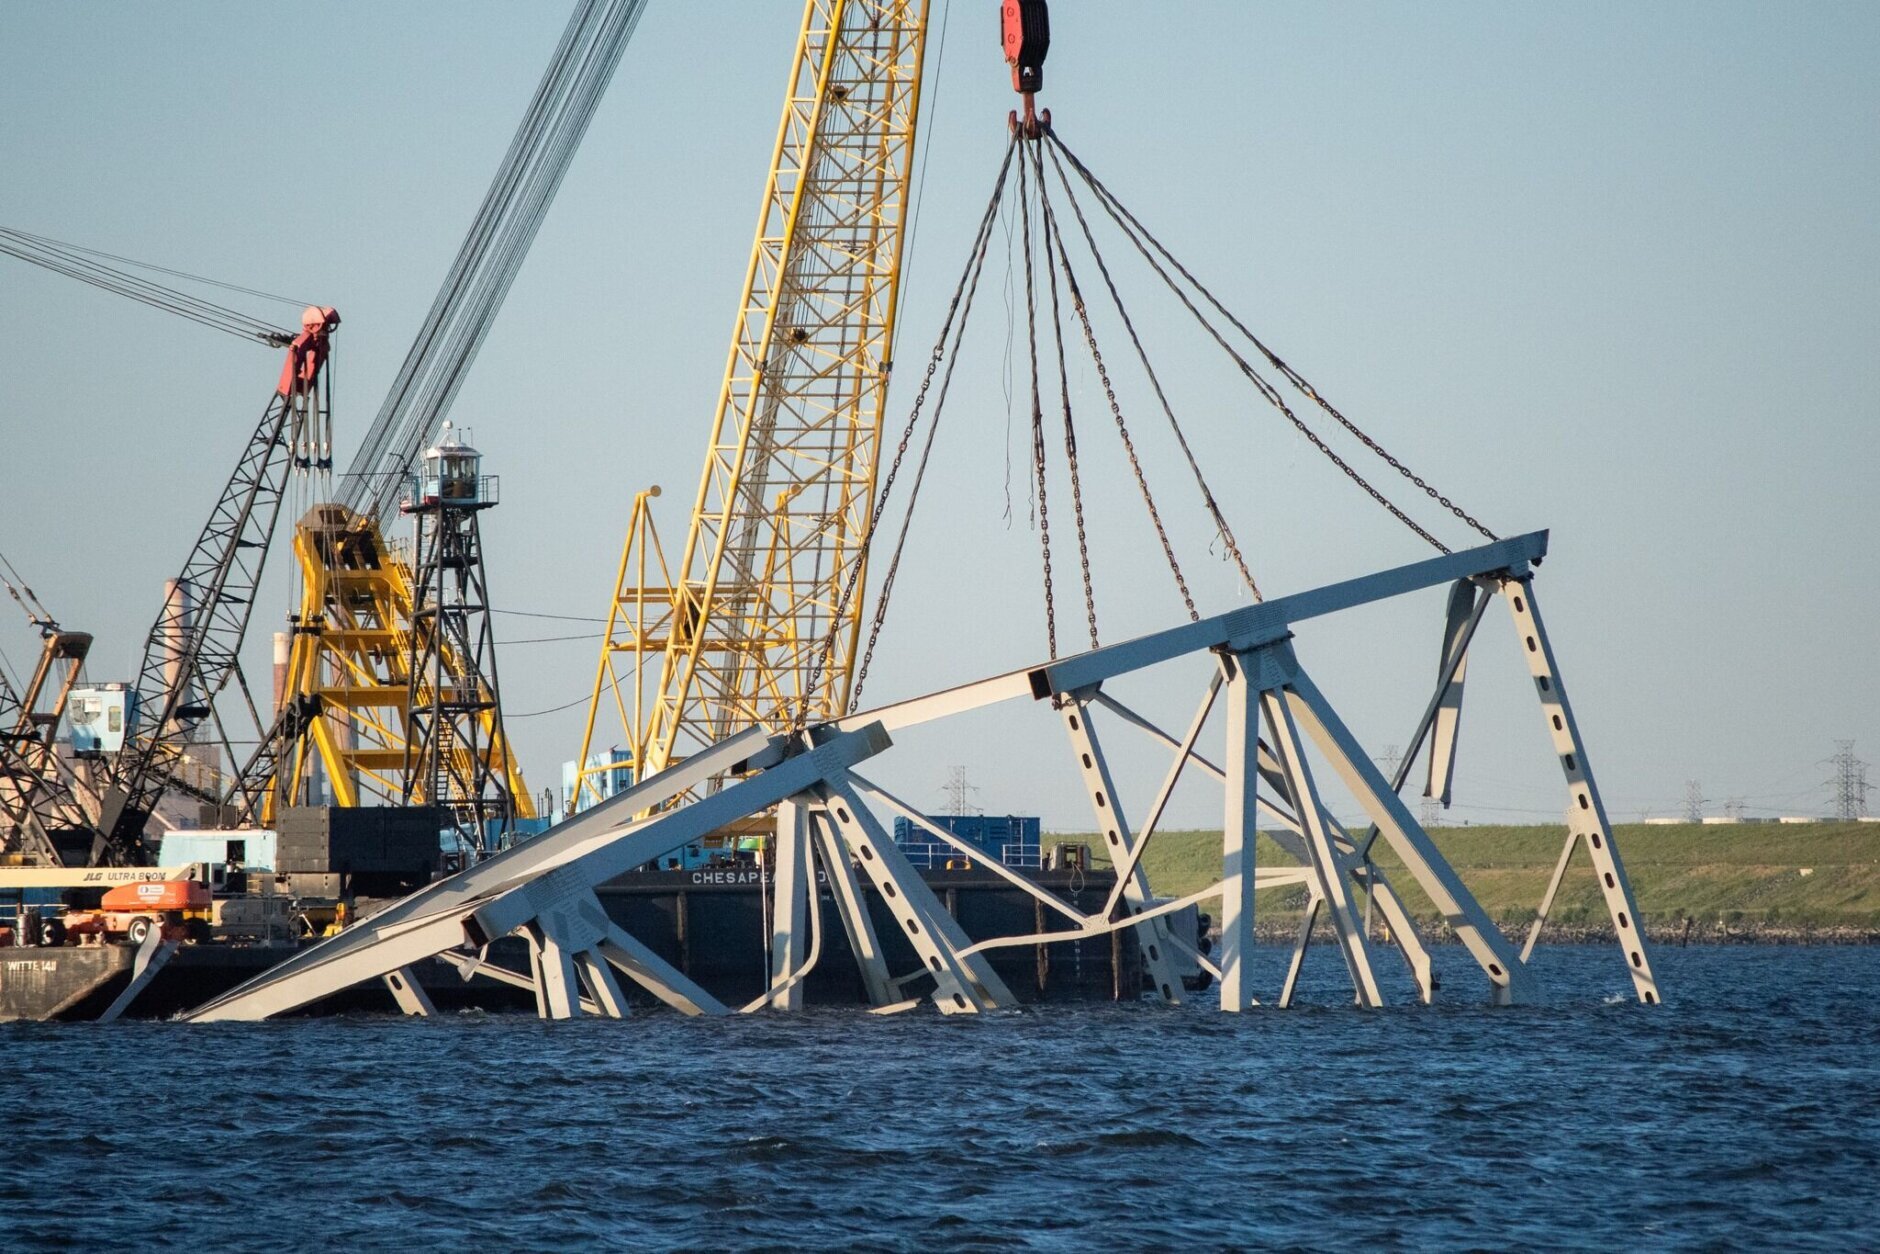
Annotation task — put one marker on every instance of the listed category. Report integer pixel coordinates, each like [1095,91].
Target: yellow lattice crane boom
[742,624]
[345,726]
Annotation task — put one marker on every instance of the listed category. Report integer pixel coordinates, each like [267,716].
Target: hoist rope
[1144,242]
[24,596]
[1055,258]
[920,474]
[492,252]
[157,269]
[77,262]
[1266,389]
[1037,415]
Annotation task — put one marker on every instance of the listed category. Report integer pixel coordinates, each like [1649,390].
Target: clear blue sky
[1611,269]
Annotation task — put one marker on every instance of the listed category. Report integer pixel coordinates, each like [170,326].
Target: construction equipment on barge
[41,816]
[356,651]
[796,770]
[797,766]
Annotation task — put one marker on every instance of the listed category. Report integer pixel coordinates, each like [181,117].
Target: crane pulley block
[1025,31]
[307,353]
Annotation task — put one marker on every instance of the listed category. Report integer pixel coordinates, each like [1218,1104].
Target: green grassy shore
[1762,881]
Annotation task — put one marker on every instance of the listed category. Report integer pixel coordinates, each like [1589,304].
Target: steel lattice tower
[1849,782]
[450,761]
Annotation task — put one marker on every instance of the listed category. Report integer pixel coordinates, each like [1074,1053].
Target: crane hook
[1025,34]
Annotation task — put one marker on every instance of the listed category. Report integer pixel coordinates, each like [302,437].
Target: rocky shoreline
[1677,932]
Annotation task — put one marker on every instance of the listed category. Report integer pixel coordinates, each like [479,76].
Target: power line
[492,252]
[553,709]
[570,618]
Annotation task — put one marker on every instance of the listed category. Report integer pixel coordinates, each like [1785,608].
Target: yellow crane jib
[739,625]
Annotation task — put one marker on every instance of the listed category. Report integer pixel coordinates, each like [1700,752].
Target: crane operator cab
[451,475]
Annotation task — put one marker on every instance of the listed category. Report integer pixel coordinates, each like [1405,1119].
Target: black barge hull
[709,923]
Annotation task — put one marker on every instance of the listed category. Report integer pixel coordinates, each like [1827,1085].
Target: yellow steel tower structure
[345,721]
[783,507]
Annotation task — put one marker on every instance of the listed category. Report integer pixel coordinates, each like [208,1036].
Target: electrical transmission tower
[1389,760]
[958,791]
[1693,801]
[1849,782]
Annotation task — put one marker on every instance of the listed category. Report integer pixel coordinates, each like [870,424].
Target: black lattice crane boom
[191,654]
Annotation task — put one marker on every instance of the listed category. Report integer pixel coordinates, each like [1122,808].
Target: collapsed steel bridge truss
[544,891]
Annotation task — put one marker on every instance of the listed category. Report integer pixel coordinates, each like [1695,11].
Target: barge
[707,921]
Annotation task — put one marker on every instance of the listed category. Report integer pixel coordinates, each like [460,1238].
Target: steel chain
[1064,388]
[886,490]
[1116,409]
[1037,416]
[975,266]
[1221,527]
[1138,233]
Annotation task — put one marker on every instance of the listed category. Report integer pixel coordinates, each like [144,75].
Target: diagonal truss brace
[543,890]
[1588,822]
[964,982]
[1331,872]
[1100,786]
[1290,837]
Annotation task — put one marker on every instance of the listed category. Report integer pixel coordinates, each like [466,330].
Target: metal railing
[935,856]
[424,491]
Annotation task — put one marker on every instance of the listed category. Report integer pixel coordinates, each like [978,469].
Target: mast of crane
[38,806]
[783,506]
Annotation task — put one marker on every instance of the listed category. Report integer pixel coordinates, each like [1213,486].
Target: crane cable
[968,287]
[1037,415]
[1209,503]
[1056,256]
[953,327]
[1082,311]
[17,588]
[492,252]
[1144,241]
[87,265]
[1064,391]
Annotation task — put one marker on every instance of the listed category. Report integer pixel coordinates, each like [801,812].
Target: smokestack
[282,645]
[179,615]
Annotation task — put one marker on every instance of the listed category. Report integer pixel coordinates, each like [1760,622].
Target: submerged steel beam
[1588,811]
[544,890]
[550,889]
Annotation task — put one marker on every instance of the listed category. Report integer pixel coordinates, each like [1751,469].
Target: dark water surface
[1744,1113]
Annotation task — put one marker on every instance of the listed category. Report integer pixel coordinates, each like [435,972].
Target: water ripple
[1743,1114]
